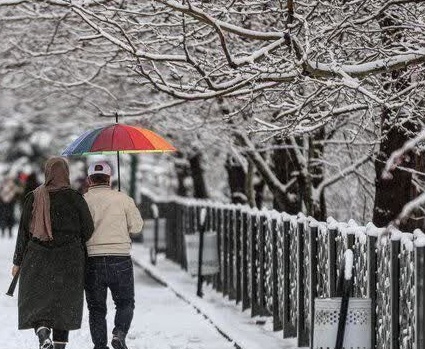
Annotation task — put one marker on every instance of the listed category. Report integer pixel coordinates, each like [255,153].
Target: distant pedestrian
[50,255]
[115,217]
[8,196]
[31,184]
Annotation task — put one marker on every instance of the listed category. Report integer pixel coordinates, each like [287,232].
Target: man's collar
[99,186]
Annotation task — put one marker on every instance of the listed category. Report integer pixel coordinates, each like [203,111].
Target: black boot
[43,334]
[118,340]
[59,345]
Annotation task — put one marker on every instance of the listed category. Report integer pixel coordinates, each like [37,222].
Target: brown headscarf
[56,178]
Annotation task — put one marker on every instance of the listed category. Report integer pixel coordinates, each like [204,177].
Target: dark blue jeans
[115,273]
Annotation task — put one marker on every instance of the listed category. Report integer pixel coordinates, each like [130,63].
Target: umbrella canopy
[116,139]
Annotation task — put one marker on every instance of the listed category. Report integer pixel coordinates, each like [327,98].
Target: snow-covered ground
[245,331]
[162,320]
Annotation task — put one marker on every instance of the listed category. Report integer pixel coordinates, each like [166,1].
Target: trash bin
[210,263]
[358,324]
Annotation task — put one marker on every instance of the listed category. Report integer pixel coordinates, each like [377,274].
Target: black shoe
[43,334]
[59,345]
[118,340]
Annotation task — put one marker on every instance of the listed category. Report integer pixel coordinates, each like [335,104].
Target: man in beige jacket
[115,217]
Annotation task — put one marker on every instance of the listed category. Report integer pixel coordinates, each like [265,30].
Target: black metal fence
[275,265]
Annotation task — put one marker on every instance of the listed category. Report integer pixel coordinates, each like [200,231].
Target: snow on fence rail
[275,265]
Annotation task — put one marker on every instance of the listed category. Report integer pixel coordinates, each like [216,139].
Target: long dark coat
[51,286]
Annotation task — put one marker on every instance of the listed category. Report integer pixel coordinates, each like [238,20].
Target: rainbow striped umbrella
[118,138]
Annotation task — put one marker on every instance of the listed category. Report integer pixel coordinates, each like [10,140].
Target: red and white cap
[100,167]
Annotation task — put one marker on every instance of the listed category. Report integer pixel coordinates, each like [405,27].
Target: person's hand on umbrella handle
[15,270]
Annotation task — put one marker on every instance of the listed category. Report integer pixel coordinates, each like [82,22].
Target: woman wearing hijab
[50,256]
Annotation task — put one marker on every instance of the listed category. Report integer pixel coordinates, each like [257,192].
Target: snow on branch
[11,2]
[265,170]
[375,67]
[396,157]
[410,207]
[204,17]
[125,46]
[342,174]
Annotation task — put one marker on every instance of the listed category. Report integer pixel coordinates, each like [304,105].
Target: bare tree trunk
[249,183]
[259,193]
[316,172]
[197,172]
[182,172]
[393,193]
[237,181]
[285,169]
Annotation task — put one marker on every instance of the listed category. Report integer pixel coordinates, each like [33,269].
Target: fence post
[245,256]
[207,228]
[225,244]
[201,228]
[238,255]
[395,294]
[332,261]
[154,251]
[420,297]
[213,219]
[277,321]
[169,225]
[208,218]
[262,262]
[372,270]
[179,232]
[231,252]
[288,329]
[302,334]
[351,241]
[254,284]
[219,284]
[186,229]
[314,232]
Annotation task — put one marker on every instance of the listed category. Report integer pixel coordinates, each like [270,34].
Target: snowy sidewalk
[161,321]
[224,314]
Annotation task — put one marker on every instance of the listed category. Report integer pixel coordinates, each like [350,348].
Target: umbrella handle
[119,175]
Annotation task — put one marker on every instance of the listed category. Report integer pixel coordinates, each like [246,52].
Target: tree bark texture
[197,172]
[182,172]
[237,181]
[393,193]
[285,169]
